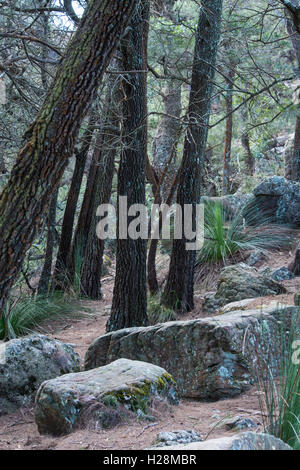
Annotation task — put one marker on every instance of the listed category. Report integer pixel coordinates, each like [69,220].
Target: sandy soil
[18,430]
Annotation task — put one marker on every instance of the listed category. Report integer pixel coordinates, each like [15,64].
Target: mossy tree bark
[129,306]
[49,141]
[179,289]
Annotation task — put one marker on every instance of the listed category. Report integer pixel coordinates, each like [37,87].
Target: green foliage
[157,313]
[226,239]
[280,398]
[28,314]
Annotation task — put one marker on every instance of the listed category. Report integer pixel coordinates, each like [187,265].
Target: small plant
[279,386]
[157,313]
[27,314]
[228,237]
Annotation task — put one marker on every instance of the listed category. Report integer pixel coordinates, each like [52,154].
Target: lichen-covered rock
[167,438]
[231,203]
[240,281]
[256,258]
[243,441]
[62,403]
[278,198]
[239,305]
[27,362]
[204,356]
[238,422]
[282,274]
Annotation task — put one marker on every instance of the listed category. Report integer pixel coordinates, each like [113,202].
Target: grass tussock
[279,387]
[157,313]
[27,314]
[227,239]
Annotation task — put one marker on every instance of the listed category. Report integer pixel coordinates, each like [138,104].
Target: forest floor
[19,431]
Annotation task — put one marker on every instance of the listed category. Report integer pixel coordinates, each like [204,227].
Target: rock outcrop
[101,395]
[278,198]
[208,357]
[27,362]
[239,282]
[243,441]
[174,438]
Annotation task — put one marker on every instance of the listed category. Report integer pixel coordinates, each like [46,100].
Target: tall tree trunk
[164,147]
[49,141]
[129,305]
[179,289]
[166,138]
[151,265]
[85,215]
[63,255]
[228,130]
[94,248]
[43,287]
[249,159]
[293,164]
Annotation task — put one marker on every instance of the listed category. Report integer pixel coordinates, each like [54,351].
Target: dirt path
[18,431]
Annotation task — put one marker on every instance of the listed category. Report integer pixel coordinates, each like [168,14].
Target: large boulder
[100,395]
[279,199]
[238,282]
[231,203]
[27,362]
[243,441]
[207,357]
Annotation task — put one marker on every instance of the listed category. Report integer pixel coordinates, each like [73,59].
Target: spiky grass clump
[226,239]
[279,397]
[27,314]
[157,313]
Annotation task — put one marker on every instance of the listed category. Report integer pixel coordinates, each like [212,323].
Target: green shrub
[279,393]
[27,314]
[157,313]
[226,239]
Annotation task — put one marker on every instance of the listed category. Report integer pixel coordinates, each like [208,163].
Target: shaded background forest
[251,129]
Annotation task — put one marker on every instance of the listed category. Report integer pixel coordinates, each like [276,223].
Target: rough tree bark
[295,266]
[179,289]
[49,141]
[293,163]
[166,137]
[228,129]
[129,305]
[249,159]
[44,281]
[94,248]
[63,255]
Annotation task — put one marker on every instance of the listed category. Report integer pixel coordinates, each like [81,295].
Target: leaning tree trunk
[179,289]
[129,305]
[85,214]
[94,248]
[61,271]
[43,287]
[49,141]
